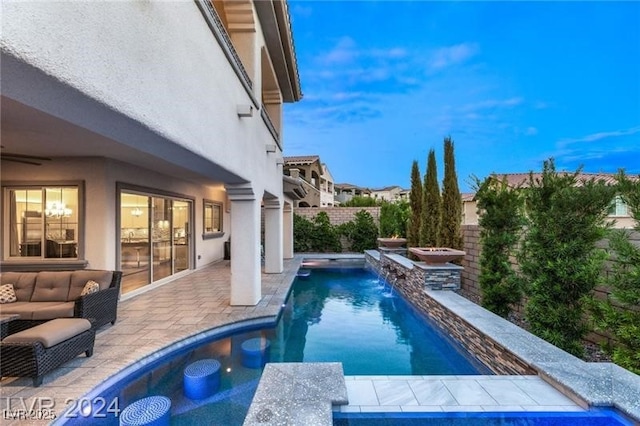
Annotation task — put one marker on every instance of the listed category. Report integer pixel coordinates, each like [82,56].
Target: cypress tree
[430,205]
[415,199]
[560,261]
[450,235]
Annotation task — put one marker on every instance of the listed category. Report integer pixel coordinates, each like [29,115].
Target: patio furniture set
[48,318]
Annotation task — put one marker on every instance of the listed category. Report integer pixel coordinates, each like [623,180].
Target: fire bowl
[436,255]
[392,242]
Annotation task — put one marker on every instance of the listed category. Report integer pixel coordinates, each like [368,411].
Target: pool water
[594,417]
[353,317]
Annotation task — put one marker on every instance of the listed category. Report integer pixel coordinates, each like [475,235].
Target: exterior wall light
[244,111]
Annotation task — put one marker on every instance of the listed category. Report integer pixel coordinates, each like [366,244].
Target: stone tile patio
[147,324]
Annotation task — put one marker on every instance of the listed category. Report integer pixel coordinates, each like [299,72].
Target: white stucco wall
[156,62]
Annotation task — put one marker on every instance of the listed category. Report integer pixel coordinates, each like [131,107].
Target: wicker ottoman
[39,350]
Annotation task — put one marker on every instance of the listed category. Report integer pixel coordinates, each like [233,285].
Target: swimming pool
[353,317]
[339,314]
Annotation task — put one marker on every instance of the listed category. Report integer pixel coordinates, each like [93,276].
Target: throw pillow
[7,294]
[90,287]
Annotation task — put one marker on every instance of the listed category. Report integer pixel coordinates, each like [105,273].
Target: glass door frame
[169,197]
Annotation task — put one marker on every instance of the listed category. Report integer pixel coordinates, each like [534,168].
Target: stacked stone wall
[489,352]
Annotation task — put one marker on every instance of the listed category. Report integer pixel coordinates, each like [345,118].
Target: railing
[270,126]
[221,35]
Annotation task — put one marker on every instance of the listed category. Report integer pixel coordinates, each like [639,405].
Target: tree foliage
[431,205]
[360,201]
[415,200]
[501,224]
[393,218]
[559,260]
[317,235]
[450,235]
[362,232]
[619,314]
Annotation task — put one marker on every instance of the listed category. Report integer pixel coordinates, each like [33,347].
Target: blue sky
[512,83]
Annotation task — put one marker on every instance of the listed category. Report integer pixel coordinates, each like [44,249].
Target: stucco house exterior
[143,136]
[316,179]
[345,192]
[390,193]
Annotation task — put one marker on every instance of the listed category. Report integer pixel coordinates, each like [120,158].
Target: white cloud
[598,136]
[492,103]
[531,131]
[344,51]
[452,55]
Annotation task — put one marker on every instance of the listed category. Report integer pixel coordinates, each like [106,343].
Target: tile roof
[302,159]
[522,179]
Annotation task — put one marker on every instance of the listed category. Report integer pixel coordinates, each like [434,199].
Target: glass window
[212,218]
[43,222]
[618,207]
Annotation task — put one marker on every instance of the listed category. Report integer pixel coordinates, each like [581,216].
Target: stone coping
[402,260]
[595,384]
[298,394]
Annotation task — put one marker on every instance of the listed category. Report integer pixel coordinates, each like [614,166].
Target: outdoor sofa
[47,295]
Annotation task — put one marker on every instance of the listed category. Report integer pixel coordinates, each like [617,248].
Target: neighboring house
[141,136]
[390,193]
[618,212]
[317,179]
[345,192]
[469,209]
[327,191]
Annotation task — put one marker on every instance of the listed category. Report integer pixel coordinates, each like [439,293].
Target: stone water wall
[410,282]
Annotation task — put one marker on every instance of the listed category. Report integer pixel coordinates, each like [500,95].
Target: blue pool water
[353,317]
[595,417]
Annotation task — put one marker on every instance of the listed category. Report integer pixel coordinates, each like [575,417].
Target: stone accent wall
[489,352]
[338,215]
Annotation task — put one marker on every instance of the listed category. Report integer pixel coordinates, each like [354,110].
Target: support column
[245,246]
[273,236]
[287,231]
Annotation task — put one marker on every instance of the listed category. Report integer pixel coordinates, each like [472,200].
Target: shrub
[393,218]
[559,260]
[302,232]
[362,232]
[360,201]
[324,236]
[500,223]
[619,315]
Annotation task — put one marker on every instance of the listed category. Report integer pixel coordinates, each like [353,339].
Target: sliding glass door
[155,238]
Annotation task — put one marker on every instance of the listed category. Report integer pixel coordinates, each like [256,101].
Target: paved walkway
[368,394]
[146,324]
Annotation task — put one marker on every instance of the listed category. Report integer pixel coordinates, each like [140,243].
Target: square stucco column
[245,246]
[287,231]
[273,263]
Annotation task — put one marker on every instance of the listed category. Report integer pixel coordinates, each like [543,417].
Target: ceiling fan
[23,158]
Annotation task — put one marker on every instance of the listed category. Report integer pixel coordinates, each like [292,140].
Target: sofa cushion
[40,310]
[7,294]
[79,280]
[23,283]
[51,332]
[51,286]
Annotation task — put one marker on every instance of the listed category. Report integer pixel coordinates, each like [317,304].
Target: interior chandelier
[57,209]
